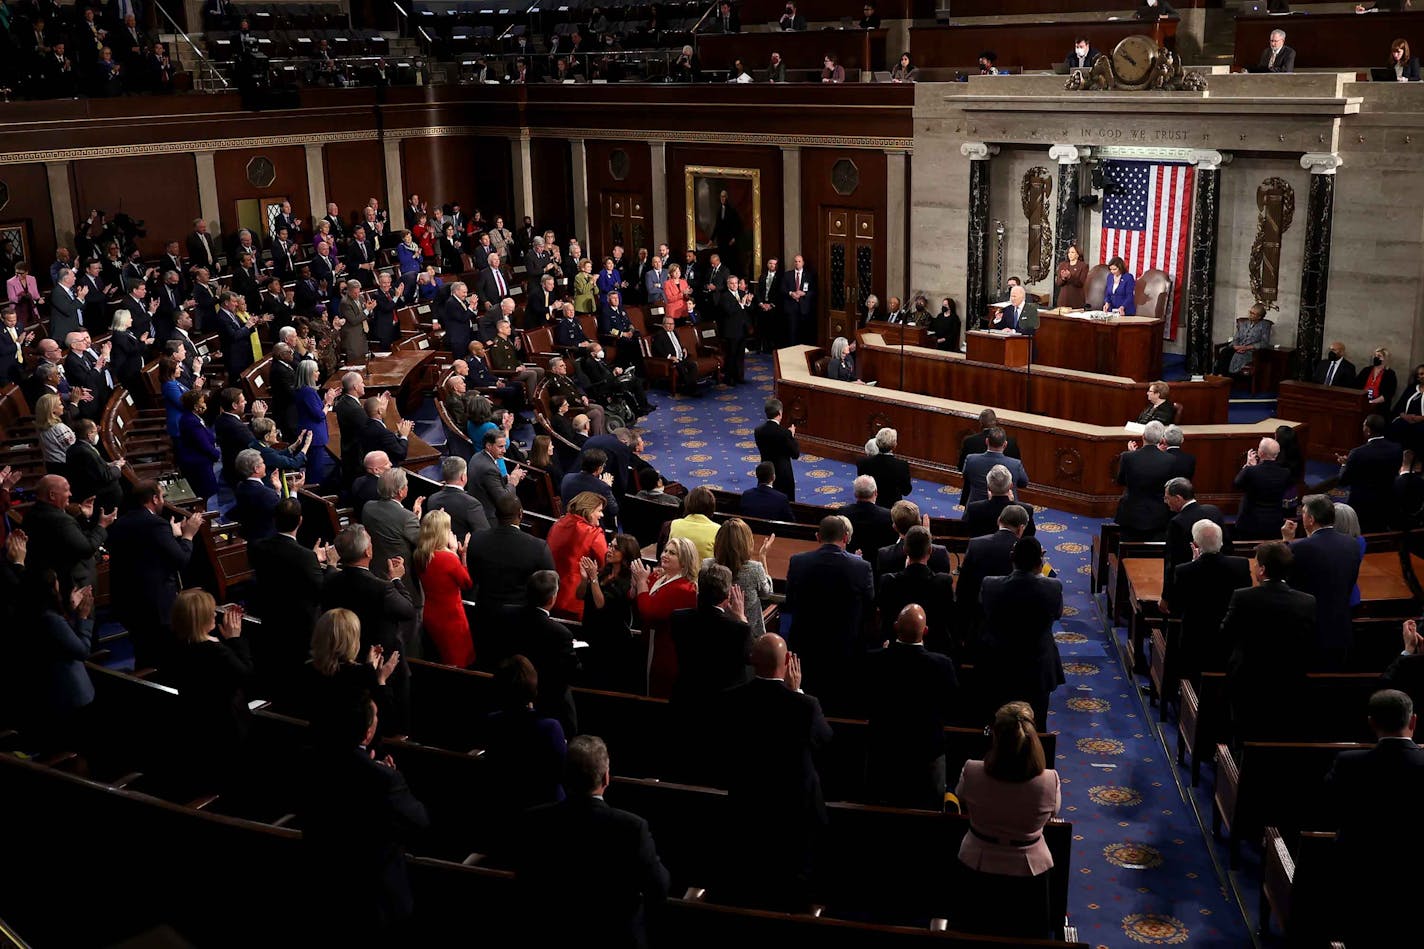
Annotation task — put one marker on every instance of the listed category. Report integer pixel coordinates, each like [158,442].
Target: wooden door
[257,214]
[847,267]
[624,222]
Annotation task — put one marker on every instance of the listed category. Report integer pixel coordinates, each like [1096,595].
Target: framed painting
[724,215]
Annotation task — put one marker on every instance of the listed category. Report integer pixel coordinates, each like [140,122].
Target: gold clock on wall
[1134,61]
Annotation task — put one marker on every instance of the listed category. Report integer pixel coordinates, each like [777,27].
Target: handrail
[191,45]
[703,19]
[402,19]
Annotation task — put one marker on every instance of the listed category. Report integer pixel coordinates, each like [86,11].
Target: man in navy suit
[358,819]
[602,861]
[1144,471]
[1263,482]
[455,320]
[147,551]
[916,583]
[891,558]
[987,557]
[979,441]
[1202,591]
[764,501]
[778,446]
[1267,627]
[976,468]
[828,593]
[1019,658]
[1180,498]
[870,523]
[799,301]
[770,730]
[1369,472]
[232,433]
[592,478]
[383,317]
[1327,566]
[982,517]
[1370,796]
[256,506]
[236,334]
[912,693]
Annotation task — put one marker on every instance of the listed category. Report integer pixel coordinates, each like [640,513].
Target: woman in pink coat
[1009,797]
[24,293]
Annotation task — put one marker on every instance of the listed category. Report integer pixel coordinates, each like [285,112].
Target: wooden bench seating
[1295,891]
[151,848]
[1272,782]
[1332,708]
[139,436]
[448,703]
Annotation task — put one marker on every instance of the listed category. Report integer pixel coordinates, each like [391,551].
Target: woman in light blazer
[1118,292]
[1009,797]
[24,293]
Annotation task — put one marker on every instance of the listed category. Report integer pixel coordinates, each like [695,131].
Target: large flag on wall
[1147,221]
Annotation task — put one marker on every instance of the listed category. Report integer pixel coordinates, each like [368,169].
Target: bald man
[912,693]
[365,488]
[63,542]
[1263,482]
[770,730]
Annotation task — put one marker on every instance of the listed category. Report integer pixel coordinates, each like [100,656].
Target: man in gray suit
[394,530]
[490,482]
[466,514]
[66,305]
[976,468]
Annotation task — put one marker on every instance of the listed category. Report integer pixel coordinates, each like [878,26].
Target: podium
[1336,416]
[984,346]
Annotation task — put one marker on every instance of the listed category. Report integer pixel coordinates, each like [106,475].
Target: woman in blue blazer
[173,389]
[1118,294]
[609,278]
[312,405]
[197,447]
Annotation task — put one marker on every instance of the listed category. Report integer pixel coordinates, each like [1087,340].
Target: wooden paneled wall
[160,190]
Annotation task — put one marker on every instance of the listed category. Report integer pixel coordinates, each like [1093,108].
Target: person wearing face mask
[1408,424]
[1379,381]
[791,21]
[1156,10]
[1083,55]
[1335,369]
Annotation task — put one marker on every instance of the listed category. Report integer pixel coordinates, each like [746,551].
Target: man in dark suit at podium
[1335,369]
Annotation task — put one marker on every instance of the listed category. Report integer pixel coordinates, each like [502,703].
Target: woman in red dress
[676,294]
[573,537]
[672,586]
[440,564]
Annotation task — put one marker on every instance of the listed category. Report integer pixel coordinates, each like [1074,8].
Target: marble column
[521,160]
[208,205]
[1065,222]
[791,205]
[976,292]
[316,184]
[896,202]
[1315,267]
[61,204]
[578,162]
[395,179]
[1201,277]
[660,197]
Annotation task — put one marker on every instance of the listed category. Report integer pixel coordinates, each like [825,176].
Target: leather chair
[1267,367]
[1153,294]
[1177,413]
[662,371]
[1095,287]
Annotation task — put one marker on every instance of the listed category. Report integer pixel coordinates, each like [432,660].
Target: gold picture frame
[743,186]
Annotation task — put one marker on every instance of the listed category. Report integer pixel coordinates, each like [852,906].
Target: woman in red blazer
[672,586]
[573,537]
[675,293]
[440,564]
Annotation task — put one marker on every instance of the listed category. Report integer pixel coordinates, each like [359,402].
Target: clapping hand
[1413,642]
[231,626]
[323,552]
[765,546]
[405,427]
[395,567]
[1288,531]
[516,476]
[81,601]
[16,546]
[9,477]
[737,603]
[259,409]
[793,671]
[639,571]
[1131,445]
[588,569]
[417,506]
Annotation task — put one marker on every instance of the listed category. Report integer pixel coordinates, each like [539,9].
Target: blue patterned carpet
[1143,871]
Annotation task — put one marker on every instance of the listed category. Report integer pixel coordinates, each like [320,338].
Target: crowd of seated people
[49,51]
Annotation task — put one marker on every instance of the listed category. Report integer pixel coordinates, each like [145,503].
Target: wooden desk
[1381,579]
[998,349]
[1045,390]
[1336,415]
[389,372]
[1329,40]
[1030,45]
[1072,466]
[1128,346]
[894,332]
[854,49]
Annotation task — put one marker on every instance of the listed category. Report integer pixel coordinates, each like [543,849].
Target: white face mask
[598,356]
[94,439]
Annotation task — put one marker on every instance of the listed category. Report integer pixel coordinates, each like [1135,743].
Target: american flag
[1147,221]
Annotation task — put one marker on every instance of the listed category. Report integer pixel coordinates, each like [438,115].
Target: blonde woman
[440,564]
[55,435]
[211,666]
[585,288]
[574,537]
[336,678]
[672,586]
[733,549]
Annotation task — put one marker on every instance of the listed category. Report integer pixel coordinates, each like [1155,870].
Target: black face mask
[1334,355]
[1377,361]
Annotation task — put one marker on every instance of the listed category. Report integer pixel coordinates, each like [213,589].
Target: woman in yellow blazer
[585,289]
[696,524]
